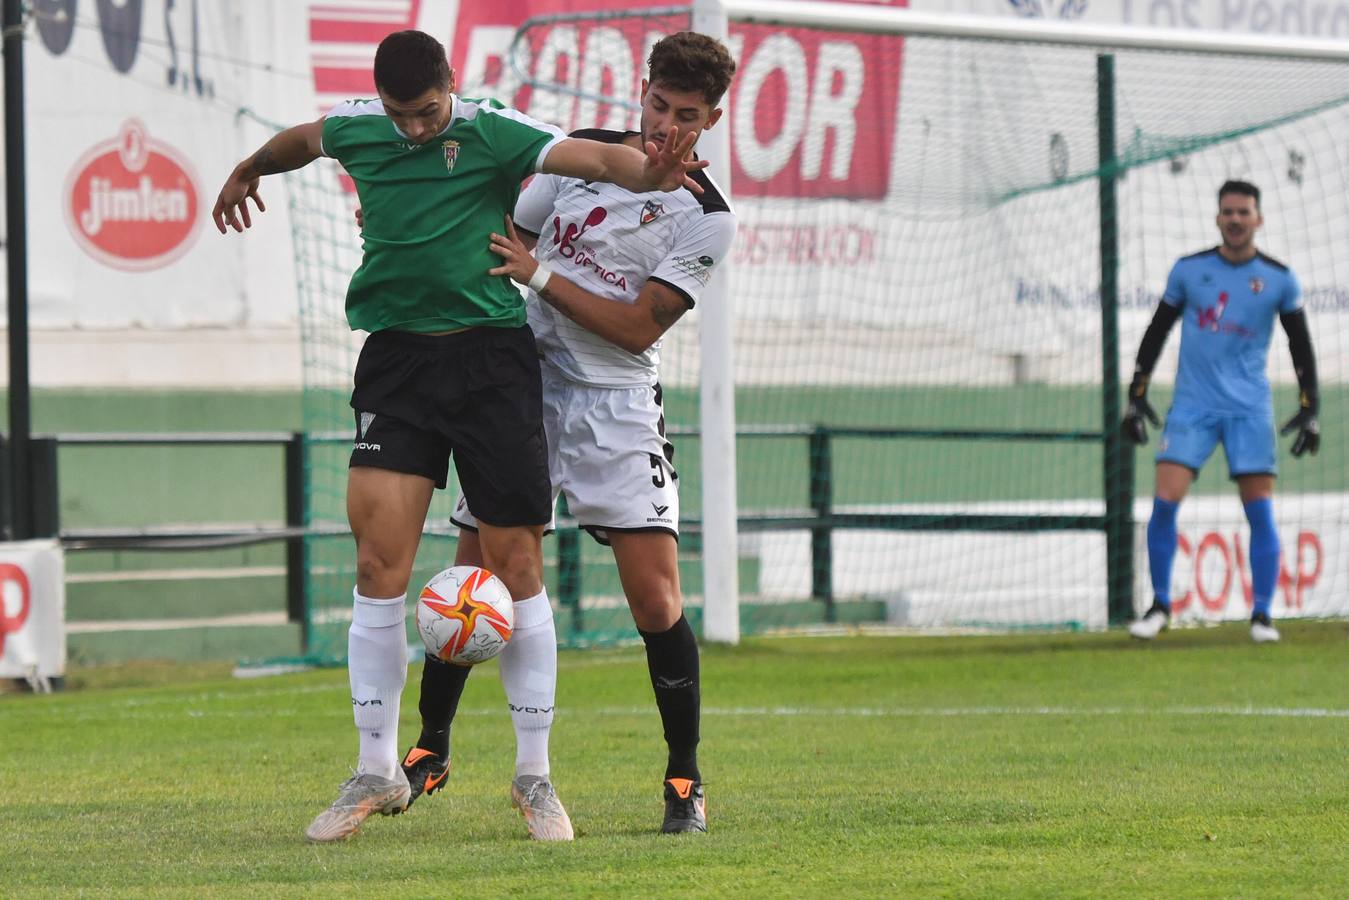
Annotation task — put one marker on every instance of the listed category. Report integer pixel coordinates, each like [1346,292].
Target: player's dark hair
[410,63]
[688,61]
[1244,188]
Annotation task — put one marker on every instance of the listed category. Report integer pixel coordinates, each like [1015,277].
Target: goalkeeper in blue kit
[1227,299]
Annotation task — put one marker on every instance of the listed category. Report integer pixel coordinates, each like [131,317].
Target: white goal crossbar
[866,19]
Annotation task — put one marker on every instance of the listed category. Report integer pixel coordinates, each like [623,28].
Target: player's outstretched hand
[1133,426]
[1308,438]
[516,261]
[668,165]
[232,204]
[231,207]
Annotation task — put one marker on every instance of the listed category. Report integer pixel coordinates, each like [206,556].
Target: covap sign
[1211,578]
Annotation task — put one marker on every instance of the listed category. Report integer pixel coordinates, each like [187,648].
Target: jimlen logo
[132,202]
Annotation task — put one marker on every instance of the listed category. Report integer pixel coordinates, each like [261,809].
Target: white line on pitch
[952,711]
[184,704]
[212,574]
[243,619]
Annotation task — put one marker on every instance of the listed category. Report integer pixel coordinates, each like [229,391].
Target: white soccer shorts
[608,454]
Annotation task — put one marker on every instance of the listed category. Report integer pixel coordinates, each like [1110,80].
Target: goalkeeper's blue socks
[1264,553]
[1162,548]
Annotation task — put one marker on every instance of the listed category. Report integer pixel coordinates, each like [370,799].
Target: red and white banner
[1059,578]
[813,114]
[32,610]
[1211,580]
[864,169]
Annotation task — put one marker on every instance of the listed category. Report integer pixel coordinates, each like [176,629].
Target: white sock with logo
[377,663]
[529,674]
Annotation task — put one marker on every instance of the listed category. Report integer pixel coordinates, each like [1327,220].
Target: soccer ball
[465,616]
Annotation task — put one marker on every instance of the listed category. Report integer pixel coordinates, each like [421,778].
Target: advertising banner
[1211,580]
[854,168]
[32,611]
[135,115]
[973,579]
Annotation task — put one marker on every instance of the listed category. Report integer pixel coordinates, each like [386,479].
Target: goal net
[926,377]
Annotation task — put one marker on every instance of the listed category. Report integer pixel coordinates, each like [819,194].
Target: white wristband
[539,280]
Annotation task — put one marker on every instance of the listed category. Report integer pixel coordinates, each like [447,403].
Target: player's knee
[657,606]
[382,571]
[519,564]
[1172,490]
[469,550]
[1255,487]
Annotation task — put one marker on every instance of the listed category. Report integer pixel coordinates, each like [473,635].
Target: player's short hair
[409,63]
[688,61]
[1245,188]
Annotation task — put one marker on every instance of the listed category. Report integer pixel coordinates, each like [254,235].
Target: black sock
[672,659]
[442,686]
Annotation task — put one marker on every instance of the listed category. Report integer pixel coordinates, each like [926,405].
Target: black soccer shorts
[475,396]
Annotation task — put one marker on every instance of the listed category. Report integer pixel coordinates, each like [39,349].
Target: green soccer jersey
[430,210]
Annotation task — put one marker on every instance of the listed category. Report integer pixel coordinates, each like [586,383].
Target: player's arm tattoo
[567,306]
[666,308]
[557,302]
[264,162]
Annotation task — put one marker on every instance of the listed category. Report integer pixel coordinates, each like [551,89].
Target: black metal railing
[821,518]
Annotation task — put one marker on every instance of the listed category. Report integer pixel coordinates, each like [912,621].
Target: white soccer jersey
[610,242]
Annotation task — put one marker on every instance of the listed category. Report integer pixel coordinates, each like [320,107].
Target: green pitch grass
[868,766]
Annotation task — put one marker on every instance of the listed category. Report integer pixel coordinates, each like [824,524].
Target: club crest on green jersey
[451,149]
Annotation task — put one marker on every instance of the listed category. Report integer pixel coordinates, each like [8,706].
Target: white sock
[377,663]
[529,674]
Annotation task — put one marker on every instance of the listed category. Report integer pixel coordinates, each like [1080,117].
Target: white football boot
[361,796]
[537,801]
[1263,630]
[1153,622]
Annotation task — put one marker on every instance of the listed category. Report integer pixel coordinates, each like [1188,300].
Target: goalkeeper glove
[1308,438]
[1138,409]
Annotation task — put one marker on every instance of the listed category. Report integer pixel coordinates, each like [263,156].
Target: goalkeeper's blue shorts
[1249,442]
